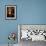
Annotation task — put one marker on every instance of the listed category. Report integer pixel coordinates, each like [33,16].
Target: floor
[28,43]
[7,45]
[34,43]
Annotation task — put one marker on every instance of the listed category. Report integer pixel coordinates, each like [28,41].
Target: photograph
[10,12]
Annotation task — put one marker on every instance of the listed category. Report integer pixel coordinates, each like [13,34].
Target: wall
[28,12]
[33,27]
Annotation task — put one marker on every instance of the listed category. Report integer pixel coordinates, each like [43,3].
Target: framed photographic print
[10,12]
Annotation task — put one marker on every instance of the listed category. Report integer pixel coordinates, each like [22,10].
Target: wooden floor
[30,43]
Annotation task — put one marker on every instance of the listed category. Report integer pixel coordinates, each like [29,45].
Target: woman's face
[9,11]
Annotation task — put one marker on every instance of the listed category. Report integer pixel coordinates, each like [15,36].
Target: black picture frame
[10,12]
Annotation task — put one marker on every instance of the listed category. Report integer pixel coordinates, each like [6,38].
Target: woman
[10,11]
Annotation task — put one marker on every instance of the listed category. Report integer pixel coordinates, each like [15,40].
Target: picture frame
[10,12]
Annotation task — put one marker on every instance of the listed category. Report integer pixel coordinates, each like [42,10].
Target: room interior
[28,12]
